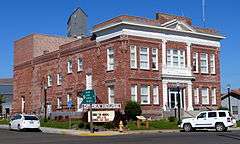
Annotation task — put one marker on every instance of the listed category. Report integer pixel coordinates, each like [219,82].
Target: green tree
[2,100]
[132,109]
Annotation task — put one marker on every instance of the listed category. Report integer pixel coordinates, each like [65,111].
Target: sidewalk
[104,133]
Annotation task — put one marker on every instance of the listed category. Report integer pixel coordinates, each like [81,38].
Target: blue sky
[20,18]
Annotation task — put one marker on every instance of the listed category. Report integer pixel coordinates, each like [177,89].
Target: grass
[238,123]
[153,125]
[75,124]
[4,121]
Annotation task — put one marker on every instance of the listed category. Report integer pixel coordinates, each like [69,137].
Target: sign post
[89,97]
[69,105]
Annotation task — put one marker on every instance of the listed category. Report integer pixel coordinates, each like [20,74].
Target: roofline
[75,11]
[154,27]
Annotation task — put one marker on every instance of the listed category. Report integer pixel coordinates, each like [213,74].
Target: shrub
[222,108]
[171,119]
[132,109]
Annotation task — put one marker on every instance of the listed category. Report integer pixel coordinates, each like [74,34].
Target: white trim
[196,95]
[213,96]
[109,66]
[195,56]
[180,23]
[168,22]
[160,36]
[188,55]
[148,94]
[59,79]
[212,59]
[69,66]
[207,100]
[156,101]
[189,92]
[204,59]
[80,64]
[135,92]
[133,48]
[144,68]
[155,27]
[49,80]
[156,55]
[109,94]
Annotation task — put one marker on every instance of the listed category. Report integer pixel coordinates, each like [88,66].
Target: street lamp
[45,103]
[179,105]
[229,98]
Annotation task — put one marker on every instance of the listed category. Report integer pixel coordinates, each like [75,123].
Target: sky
[19,18]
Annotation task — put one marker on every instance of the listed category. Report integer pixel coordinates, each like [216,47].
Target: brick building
[126,58]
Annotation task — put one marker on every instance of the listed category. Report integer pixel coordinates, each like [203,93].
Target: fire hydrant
[121,126]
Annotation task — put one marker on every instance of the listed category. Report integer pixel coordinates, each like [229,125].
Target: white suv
[219,119]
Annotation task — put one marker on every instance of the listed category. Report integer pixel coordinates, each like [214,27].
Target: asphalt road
[13,137]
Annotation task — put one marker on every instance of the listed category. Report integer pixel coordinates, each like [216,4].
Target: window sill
[144,69]
[145,104]
[110,70]
[69,73]
[79,71]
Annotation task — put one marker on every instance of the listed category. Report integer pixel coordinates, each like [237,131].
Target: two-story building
[126,58]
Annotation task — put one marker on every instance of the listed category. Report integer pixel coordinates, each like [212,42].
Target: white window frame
[196,95]
[59,102]
[68,97]
[89,82]
[111,95]
[212,64]
[155,55]
[148,94]
[134,93]
[201,63]
[49,80]
[213,96]
[144,61]
[155,95]
[133,57]
[207,96]
[195,58]
[69,67]
[23,104]
[181,58]
[110,59]
[80,64]
[59,79]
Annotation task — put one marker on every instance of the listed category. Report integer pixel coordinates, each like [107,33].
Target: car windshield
[30,118]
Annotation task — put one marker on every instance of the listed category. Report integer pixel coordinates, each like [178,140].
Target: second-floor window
[175,58]
[110,59]
[144,58]
[69,66]
[213,96]
[204,62]
[80,64]
[133,56]
[59,79]
[212,64]
[145,94]
[49,80]
[134,93]
[59,103]
[195,62]
[196,95]
[155,59]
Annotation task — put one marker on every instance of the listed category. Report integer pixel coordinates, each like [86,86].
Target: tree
[2,100]
[132,109]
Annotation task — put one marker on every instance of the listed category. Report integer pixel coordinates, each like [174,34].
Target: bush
[222,108]
[132,109]
[171,119]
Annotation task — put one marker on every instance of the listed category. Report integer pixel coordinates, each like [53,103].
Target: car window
[30,118]
[212,114]
[202,115]
[222,114]
[18,117]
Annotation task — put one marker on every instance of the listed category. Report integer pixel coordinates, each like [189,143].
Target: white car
[22,121]
[219,119]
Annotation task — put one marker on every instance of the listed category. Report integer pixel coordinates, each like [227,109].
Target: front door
[173,99]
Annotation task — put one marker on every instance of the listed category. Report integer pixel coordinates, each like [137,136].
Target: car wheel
[187,127]
[18,127]
[220,127]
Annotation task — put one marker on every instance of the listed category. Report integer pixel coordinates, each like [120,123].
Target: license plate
[31,122]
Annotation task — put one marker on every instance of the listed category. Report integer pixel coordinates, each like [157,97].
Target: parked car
[22,121]
[218,119]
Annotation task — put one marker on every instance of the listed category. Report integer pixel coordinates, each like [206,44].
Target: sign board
[141,117]
[102,116]
[89,97]
[69,104]
[103,106]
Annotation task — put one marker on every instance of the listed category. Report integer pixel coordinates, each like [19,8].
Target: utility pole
[229,97]
[179,103]
[45,103]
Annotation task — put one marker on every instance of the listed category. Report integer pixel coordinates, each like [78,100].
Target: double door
[173,99]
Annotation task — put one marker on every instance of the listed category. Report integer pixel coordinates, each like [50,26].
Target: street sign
[89,97]
[69,104]
[102,116]
[103,106]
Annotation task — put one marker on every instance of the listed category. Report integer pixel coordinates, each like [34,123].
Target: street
[14,137]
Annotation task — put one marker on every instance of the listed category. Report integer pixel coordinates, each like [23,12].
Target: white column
[189,92]
[165,96]
[189,55]
[164,52]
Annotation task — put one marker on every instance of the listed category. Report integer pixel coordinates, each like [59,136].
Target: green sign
[89,97]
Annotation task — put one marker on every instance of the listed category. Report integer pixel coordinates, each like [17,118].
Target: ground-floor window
[213,96]
[145,94]
[196,95]
[134,93]
[111,95]
[235,110]
[205,96]
[155,95]
[59,103]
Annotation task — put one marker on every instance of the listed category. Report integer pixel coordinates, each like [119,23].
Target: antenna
[203,13]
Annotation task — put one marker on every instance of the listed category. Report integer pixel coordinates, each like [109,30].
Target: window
[110,59]
[155,95]
[88,82]
[202,115]
[134,93]
[175,58]
[145,94]
[235,110]
[204,63]
[49,80]
[133,56]
[205,98]
[155,59]
[222,114]
[213,95]
[23,104]
[59,79]
[212,114]
[111,99]
[69,66]
[144,58]
[69,98]
[59,103]
[195,62]
[212,64]
[80,64]
[196,96]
